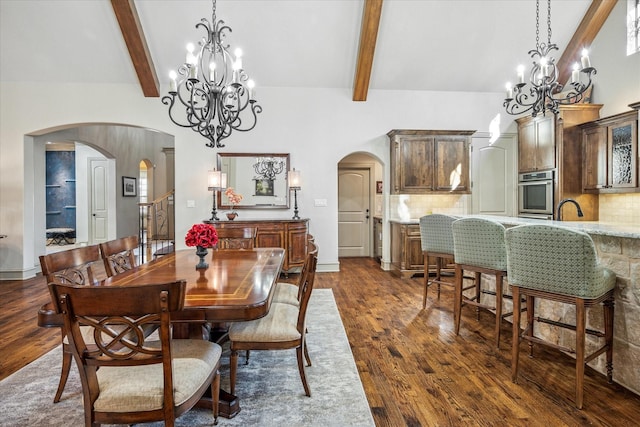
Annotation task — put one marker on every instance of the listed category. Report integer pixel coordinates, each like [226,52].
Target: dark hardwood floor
[415,371]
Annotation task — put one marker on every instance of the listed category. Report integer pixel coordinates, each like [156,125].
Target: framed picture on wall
[129,186]
[379,187]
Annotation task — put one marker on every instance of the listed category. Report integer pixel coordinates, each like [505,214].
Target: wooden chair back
[118,316]
[306,287]
[237,238]
[73,266]
[118,255]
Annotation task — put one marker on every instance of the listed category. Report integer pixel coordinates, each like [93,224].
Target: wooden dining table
[238,285]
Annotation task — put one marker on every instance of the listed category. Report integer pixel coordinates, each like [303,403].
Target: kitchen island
[618,247]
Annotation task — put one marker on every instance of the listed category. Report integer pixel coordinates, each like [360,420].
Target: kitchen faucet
[562,202]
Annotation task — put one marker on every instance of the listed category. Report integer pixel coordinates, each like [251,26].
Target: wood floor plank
[414,369]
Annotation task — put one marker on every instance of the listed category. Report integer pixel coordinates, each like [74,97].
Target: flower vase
[201,252]
[231,216]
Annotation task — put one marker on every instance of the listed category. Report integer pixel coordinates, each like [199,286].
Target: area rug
[269,387]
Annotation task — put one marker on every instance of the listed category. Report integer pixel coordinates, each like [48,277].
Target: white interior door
[99,201]
[494,176]
[354,212]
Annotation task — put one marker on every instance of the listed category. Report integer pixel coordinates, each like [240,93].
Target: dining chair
[76,267]
[237,238]
[281,329]
[290,293]
[125,378]
[118,255]
[559,264]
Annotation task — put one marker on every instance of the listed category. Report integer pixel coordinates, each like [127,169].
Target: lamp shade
[214,179]
[294,179]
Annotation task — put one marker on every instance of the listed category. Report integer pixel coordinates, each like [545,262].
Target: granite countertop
[631,231]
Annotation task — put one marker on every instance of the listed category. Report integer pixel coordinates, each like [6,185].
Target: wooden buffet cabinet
[424,161]
[291,235]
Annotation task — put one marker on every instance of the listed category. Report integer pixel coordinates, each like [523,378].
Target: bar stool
[436,239]
[479,247]
[559,264]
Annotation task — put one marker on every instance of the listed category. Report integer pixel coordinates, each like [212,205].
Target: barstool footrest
[569,326]
[547,343]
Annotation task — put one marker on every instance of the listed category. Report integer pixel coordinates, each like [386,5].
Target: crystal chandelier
[211,90]
[543,92]
[268,167]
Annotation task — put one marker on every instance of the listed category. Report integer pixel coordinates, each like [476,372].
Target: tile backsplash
[620,208]
[420,205]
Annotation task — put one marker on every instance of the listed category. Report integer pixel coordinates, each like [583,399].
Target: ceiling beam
[368,37]
[131,29]
[586,32]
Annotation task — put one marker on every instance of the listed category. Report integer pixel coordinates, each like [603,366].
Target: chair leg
[215,396]
[608,335]
[499,282]
[426,279]
[457,301]
[303,376]
[515,333]
[531,311]
[246,358]
[478,279]
[580,343]
[66,367]
[306,352]
[233,368]
[438,275]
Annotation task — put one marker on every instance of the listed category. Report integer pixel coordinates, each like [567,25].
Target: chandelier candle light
[294,184]
[543,91]
[211,88]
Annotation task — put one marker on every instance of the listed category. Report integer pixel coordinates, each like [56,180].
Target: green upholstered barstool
[559,264]
[436,238]
[479,248]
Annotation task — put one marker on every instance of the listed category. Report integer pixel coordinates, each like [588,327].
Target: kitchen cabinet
[554,142]
[610,154]
[536,144]
[377,238]
[406,249]
[429,161]
[290,235]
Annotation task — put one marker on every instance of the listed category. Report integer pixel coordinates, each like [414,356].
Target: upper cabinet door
[546,146]
[452,164]
[622,150]
[594,149]
[416,167]
[536,144]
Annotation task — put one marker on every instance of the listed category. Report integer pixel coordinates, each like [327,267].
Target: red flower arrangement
[204,235]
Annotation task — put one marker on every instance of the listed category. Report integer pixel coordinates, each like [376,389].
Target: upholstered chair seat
[286,293]
[560,264]
[141,388]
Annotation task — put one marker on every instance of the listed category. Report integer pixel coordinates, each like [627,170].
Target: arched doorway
[358,203]
[123,146]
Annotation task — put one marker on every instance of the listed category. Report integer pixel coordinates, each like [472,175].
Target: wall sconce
[217,180]
[294,184]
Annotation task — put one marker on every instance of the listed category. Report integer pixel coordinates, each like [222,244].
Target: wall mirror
[260,178]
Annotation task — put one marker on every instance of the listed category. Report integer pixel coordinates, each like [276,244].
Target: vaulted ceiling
[359,45]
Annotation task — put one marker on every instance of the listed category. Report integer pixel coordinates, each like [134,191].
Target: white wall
[617,83]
